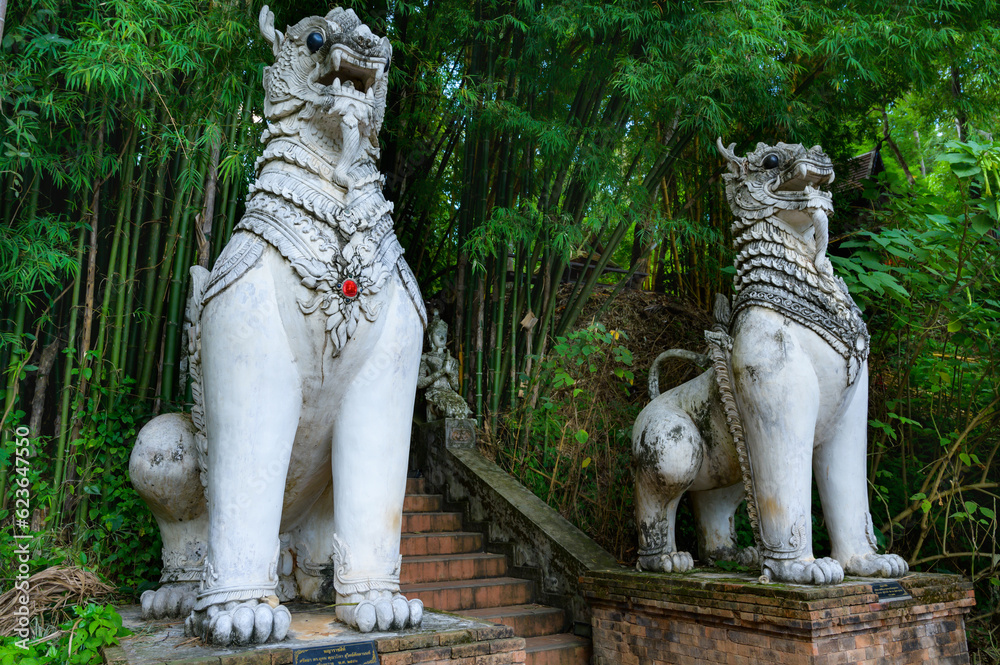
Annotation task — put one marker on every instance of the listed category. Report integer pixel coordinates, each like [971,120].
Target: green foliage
[76,642]
[34,257]
[929,278]
[573,447]
[120,533]
[117,534]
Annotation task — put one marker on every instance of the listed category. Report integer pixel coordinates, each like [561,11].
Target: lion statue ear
[267,29]
[737,165]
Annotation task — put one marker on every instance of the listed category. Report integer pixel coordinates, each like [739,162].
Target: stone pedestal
[713,617]
[443,639]
[438,435]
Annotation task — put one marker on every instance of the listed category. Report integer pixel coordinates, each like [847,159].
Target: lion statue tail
[699,359]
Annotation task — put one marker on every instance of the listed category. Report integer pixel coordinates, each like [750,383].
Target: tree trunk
[204,226]
[895,148]
[49,355]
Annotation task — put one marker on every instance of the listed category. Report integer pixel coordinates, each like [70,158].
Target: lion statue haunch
[304,344]
[785,397]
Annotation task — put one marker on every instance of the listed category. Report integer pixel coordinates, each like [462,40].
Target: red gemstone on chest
[350,288]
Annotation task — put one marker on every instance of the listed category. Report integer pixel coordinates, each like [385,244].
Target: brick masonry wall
[650,619]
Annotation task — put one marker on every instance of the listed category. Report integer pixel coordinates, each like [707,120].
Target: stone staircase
[448,569]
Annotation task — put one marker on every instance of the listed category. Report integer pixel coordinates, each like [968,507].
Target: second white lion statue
[785,401]
[288,479]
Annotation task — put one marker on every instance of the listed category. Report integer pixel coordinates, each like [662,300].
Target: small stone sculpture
[786,396]
[304,345]
[439,376]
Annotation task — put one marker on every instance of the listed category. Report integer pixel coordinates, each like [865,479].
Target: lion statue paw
[169,601]
[383,610]
[667,562]
[239,624]
[804,571]
[877,565]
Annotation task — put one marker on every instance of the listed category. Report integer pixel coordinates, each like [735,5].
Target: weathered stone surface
[438,376]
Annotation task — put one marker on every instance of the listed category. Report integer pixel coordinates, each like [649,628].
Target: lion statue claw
[287,479]
[784,400]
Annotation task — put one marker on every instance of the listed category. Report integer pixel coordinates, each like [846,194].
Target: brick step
[560,649]
[415,486]
[422,503]
[431,522]
[454,595]
[452,567]
[527,620]
[424,544]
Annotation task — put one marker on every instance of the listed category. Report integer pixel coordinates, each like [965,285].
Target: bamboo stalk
[10,396]
[67,388]
[125,360]
[497,386]
[119,235]
[481,306]
[175,306]
[150,325]
[203,224]
[86,371]
[20,311]
[159,298]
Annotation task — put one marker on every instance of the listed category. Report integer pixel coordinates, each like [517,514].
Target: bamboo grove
[535,152]
[116,140]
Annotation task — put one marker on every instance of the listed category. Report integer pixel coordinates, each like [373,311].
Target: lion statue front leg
[840,470]
[794,432]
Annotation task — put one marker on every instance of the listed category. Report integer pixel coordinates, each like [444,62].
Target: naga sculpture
[304,343]
[439,375]
[785,398]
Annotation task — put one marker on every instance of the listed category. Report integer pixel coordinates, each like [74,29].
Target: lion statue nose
[364,37]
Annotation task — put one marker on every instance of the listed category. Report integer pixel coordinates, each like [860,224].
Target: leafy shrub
[76,642]
[929,282]
[571,443]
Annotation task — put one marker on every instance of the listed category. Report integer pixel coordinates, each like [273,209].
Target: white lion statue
[785,399]
[287,480]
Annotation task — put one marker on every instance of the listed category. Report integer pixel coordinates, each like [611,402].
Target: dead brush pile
[53,590]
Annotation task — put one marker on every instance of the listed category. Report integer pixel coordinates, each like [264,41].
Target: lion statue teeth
[287,480]
[785,397]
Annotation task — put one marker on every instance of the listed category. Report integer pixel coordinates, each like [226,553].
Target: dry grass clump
[51,590]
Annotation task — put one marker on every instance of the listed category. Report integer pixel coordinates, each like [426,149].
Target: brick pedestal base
[444,639]
[700,618]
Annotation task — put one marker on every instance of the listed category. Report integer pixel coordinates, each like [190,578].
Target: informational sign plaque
[890,591]
[351,653]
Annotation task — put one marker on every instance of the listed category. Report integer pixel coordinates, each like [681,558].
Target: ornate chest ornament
[318,196]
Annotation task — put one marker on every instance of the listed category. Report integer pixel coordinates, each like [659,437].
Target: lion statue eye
[771,161]
[314,41]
